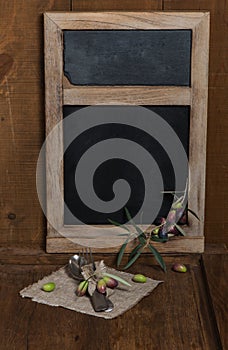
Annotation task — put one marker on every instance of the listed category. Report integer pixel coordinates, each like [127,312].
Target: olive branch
[160,233]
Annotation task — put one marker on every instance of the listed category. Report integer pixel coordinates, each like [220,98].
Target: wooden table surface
[187,311]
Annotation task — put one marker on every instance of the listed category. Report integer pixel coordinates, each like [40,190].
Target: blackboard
[157,60]
[176,116]
[128,57]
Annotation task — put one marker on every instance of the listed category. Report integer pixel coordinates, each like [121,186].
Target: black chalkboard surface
[110,171]
[127,57]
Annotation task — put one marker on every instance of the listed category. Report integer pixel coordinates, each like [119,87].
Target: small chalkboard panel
[110,171]
[128,57]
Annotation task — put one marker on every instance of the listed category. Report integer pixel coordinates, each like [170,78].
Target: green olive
[139,278]
[177,205]
[155,231]
[48,287]
[101,286]
[82,288]
[179,268]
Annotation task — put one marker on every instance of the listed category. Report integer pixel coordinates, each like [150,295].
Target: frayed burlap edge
[123,297]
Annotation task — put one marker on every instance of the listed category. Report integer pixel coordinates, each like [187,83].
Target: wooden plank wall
[22,111]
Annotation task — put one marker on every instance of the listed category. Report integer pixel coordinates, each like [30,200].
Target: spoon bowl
[75,264]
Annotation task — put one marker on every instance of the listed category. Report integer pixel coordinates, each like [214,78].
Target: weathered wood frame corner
[59,92]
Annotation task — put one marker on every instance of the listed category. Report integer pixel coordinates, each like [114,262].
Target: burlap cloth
[123,297]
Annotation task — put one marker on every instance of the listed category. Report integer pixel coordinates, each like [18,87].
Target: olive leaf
[141,239]
[138,229]
[177,201]
[135,250]
[172,192]
[180,229]
[193,213]
[117,224]
[123,247]
[157,256]
[132,260]
[121,253]
[121,280]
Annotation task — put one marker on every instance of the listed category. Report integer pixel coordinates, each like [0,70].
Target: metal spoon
[75,264]
[99,301]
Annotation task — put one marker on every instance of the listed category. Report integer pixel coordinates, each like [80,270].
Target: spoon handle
[110,305]
[99,301]
[96,299]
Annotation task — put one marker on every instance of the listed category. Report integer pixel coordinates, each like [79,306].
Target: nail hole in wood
[11,216]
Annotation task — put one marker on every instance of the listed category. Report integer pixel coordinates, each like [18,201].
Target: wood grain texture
[217,156]
[53,112]
[22,96]
[27,256]
[117,5]
[22,118]
[198,121]
[215,267]
[132,95]
[126,20]
[180,305]
[184,245]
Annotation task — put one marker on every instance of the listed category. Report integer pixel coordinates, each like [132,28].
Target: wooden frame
[60,92]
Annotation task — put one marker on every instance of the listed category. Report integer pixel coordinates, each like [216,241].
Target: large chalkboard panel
[176,116]
[127,57]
